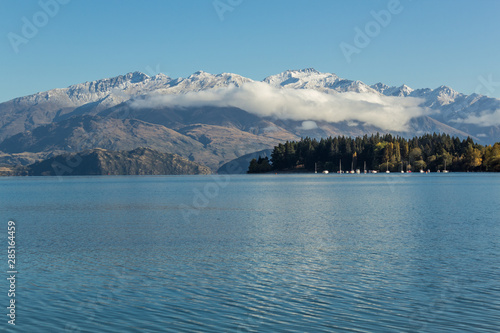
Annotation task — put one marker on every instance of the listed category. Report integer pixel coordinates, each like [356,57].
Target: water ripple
[285,254]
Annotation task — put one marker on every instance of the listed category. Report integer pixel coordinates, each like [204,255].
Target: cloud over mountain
[483,119]
[386,112]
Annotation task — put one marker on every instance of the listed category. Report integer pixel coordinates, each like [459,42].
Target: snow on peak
[123,87]
[401,91]
[200,74]
[446,90]
[202,80]
[308,78]
[160,77]
[136,77]
[305,71]
[312,79]
[444,103]
[445,95]
[404,87]
[233,79]
[299,73]
[380,87]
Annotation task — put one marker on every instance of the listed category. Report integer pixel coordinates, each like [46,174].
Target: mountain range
[213,119]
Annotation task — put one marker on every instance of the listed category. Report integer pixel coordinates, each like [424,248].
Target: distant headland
[140,161]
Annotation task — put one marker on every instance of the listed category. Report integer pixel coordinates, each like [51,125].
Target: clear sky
[424,43]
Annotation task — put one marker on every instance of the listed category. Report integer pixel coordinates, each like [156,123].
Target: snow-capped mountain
[220,131]
[28,112]
[469,113]
[401,91]
[312,79]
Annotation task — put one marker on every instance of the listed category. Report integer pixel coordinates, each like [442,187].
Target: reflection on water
[308,253]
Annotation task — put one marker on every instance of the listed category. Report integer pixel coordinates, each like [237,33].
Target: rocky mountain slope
[140,161]
[198,119]
[240,164]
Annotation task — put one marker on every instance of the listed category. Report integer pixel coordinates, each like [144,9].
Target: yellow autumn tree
[473,157]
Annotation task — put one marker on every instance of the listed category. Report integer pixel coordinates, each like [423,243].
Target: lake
[248,253]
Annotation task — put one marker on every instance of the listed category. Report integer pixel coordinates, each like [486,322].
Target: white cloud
[386,112]
[308,125]
[485,119]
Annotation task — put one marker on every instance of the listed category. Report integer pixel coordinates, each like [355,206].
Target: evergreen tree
[431,151]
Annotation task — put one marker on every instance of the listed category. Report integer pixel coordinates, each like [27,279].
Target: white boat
[374,171]
[387,171]
[422,171]
[325,171]
[445,171]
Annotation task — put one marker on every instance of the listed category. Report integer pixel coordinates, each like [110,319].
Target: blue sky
[422,44]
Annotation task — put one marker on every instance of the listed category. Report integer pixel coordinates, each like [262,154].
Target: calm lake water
[273,253]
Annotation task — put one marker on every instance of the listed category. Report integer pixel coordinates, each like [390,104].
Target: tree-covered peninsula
[434,152]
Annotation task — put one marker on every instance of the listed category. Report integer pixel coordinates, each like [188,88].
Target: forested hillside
[382,152]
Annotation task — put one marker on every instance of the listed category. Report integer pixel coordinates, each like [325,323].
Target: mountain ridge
[215,134]
[140,161]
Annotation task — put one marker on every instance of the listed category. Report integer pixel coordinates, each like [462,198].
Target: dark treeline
[381,152]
